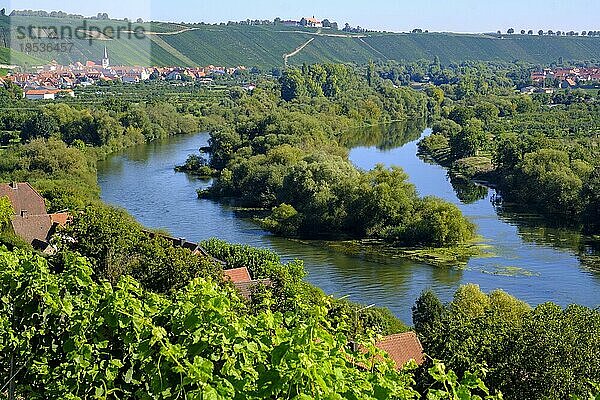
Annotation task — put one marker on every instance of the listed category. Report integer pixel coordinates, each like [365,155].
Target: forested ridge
[121,313]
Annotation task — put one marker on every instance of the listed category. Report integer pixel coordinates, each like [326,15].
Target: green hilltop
[169,44]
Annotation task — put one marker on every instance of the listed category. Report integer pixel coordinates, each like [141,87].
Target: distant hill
[265,45]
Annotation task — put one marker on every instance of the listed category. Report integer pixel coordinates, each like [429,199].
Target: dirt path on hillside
[335,35]
[298,50]
[373,48]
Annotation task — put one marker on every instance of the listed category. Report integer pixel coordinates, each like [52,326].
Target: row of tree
[541,32]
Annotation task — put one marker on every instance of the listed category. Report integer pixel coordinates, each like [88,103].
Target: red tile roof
[60,219]
[402,348]
[41,91]
[238,275]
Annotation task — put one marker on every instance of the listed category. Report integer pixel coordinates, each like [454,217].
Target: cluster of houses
[311,22]
[567,77]
[308,22]
[54,80]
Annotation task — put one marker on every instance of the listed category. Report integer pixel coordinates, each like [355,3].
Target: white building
[46,94]
[105,59]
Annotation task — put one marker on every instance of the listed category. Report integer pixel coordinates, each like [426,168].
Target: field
[167,44]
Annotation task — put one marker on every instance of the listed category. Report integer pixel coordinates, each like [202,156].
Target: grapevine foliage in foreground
[70,337]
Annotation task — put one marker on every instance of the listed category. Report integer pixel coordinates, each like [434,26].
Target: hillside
[12,57]
[266,45]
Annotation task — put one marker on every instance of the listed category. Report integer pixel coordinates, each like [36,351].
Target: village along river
[529,259]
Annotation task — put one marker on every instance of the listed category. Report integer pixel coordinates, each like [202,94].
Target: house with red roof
[402,348]
[311,22]
[46,93]
[243,282]
[237,275]
[30,220]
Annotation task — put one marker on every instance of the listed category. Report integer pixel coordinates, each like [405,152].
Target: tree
[427,312]
[530,32]
[541,32]
[292,84]
[469,301]
[461,114]
[509,337]
[568,340]
[370,73]
[10,93]
[486,112]
[470,140]
[591,194]
[437,223]
[510,31]
[551,181]
[284,220]
[39,126]
[522,31]
[6,213]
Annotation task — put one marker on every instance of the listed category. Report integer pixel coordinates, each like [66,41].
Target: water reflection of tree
[448,276]
[384,136]
[554,231]
[467,191]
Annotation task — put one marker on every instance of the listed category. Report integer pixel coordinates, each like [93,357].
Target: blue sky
[393,15]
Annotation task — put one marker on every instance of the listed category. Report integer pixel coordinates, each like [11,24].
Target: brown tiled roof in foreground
[245,288]
[23,198]
[238,275]
[33,228]
[30,220]
[402,348]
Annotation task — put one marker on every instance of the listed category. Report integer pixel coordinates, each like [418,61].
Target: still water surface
[529,259]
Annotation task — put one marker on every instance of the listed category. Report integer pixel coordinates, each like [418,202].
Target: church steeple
[105,59]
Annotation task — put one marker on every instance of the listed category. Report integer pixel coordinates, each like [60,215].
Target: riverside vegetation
[119,313]
[541,151]
[281,150]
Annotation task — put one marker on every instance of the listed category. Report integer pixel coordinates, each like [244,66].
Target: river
[528,258]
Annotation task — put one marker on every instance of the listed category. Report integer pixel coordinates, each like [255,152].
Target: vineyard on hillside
[168,44]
